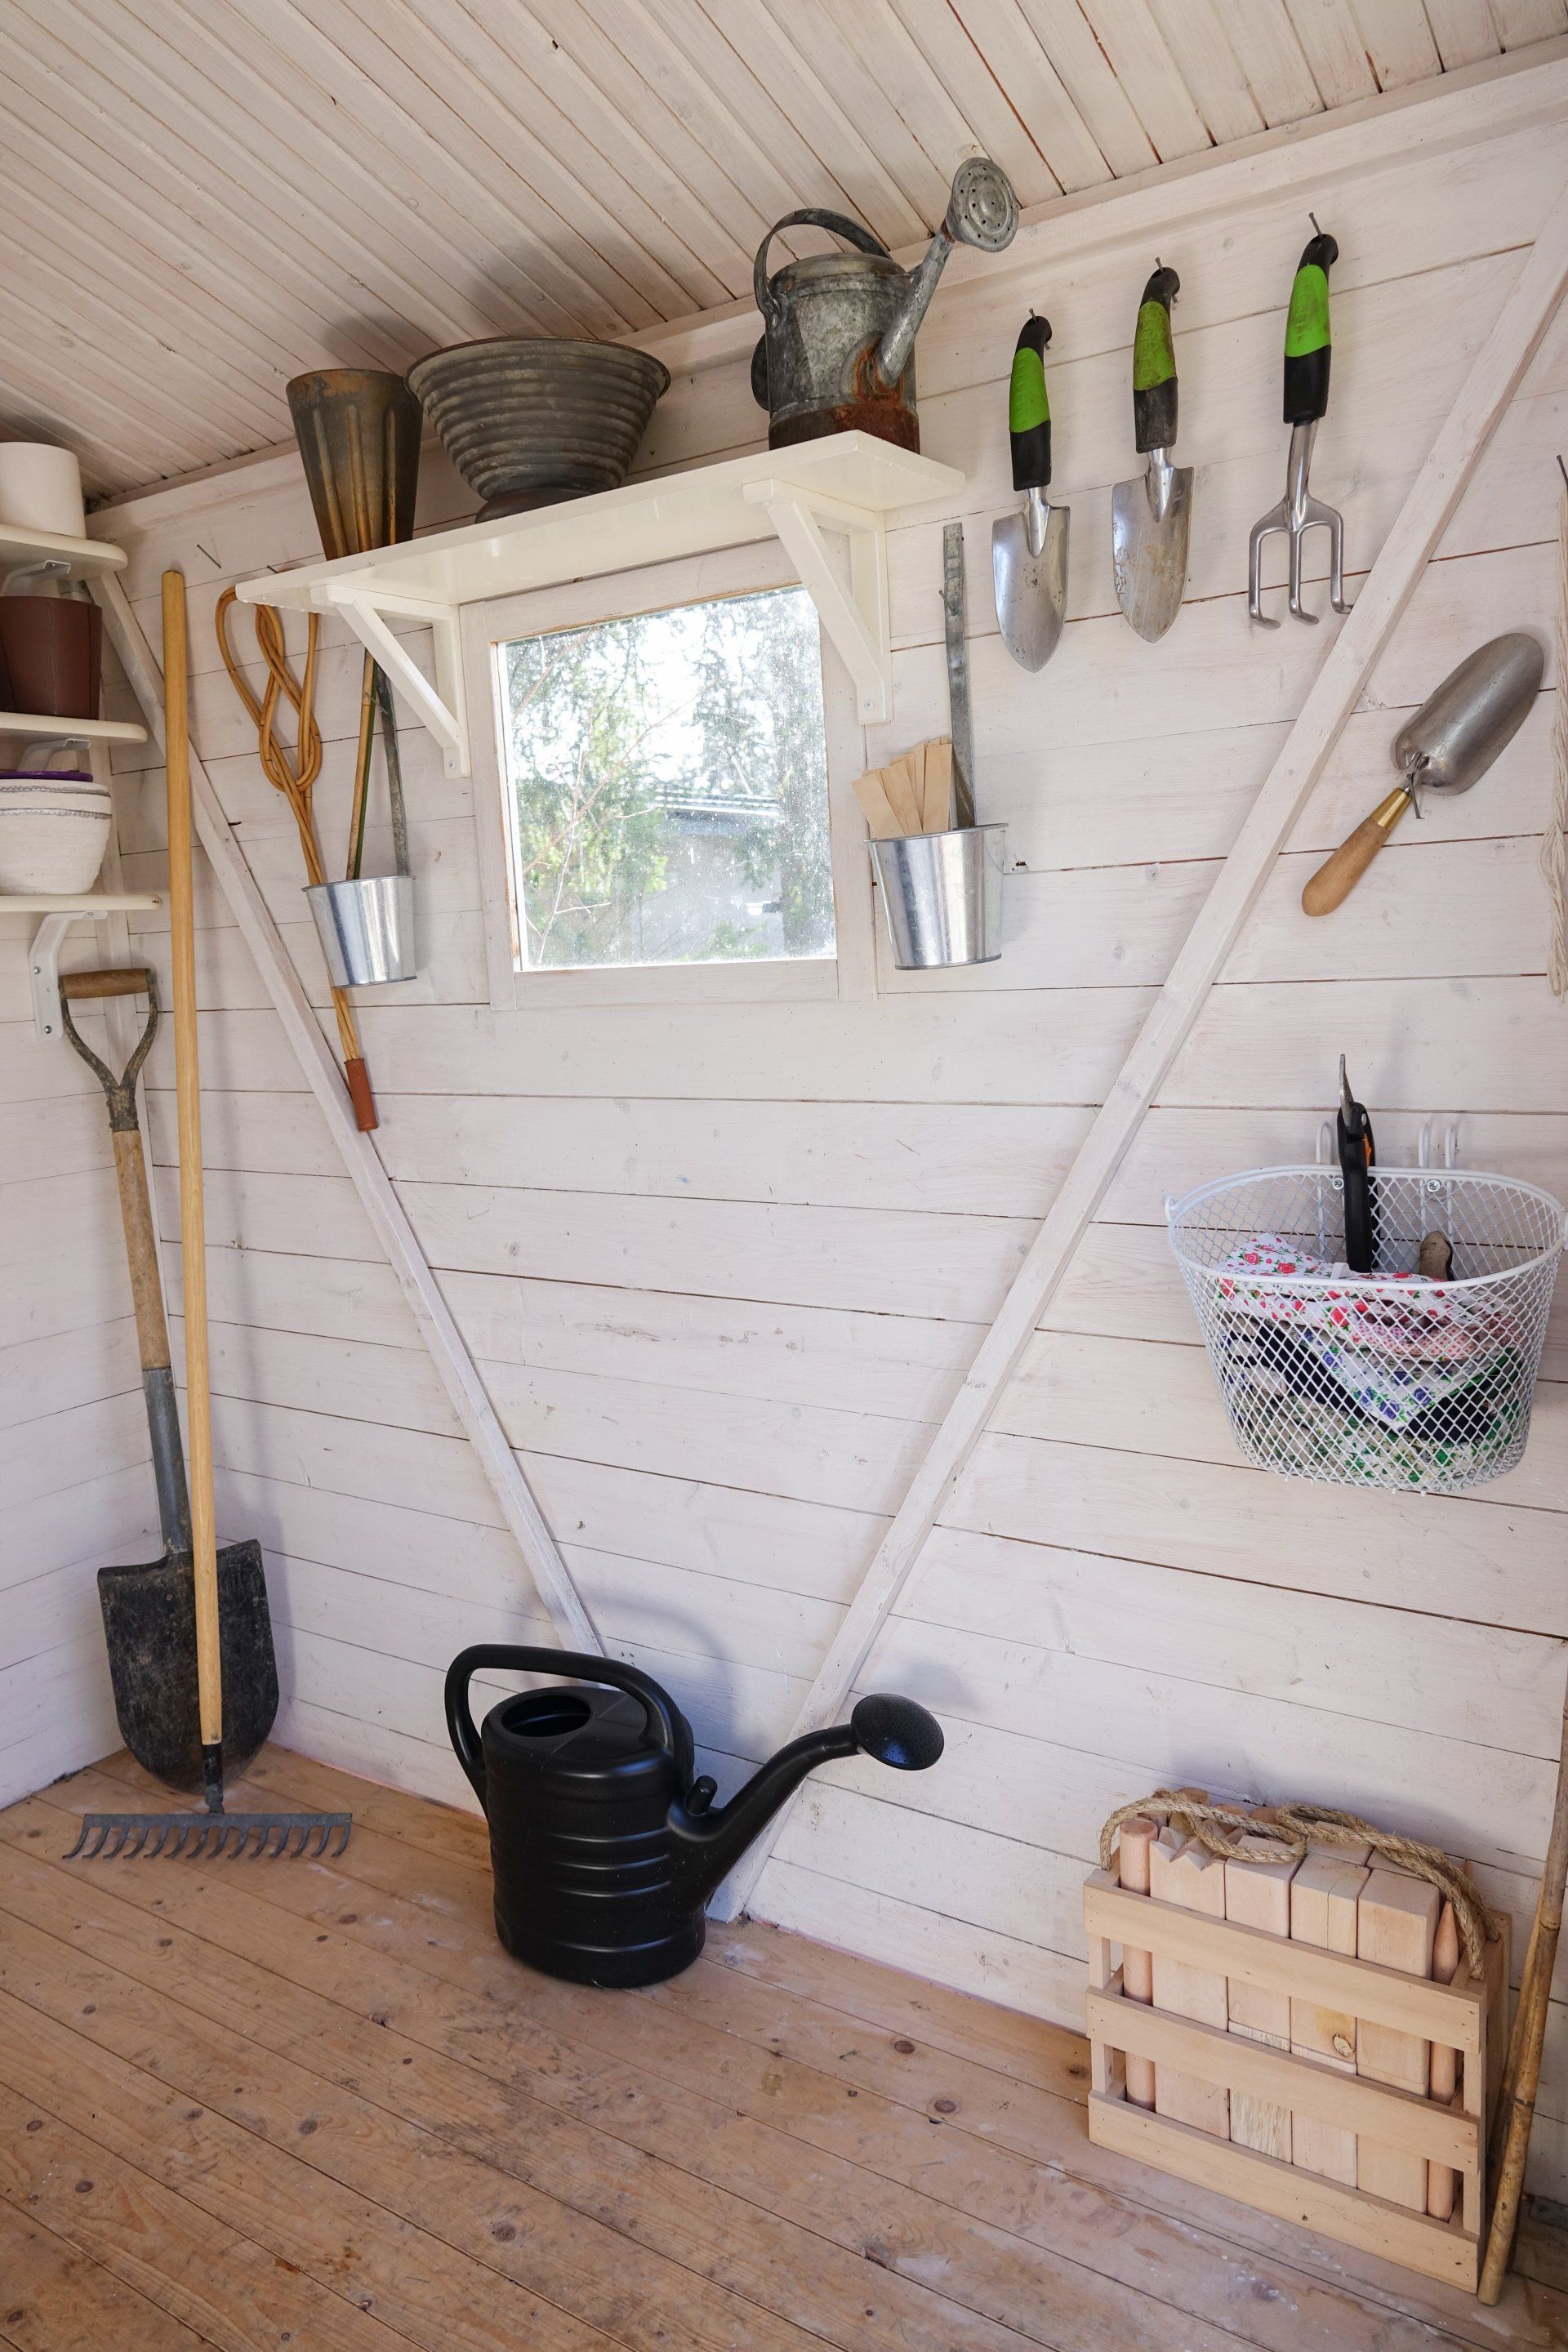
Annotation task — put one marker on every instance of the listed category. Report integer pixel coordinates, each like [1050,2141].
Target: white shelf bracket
[43,975]
[442,707]
[857,617]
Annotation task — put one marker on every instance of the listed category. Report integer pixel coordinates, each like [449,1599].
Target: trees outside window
[669,779]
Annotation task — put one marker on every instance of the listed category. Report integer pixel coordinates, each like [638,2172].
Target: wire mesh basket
[1391,1378]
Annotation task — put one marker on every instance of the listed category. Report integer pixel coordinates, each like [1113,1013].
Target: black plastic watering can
[605,1843]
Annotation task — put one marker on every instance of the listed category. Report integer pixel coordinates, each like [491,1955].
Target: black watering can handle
[812,216]
[665,1722]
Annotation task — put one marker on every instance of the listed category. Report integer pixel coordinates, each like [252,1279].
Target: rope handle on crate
[1284,1833]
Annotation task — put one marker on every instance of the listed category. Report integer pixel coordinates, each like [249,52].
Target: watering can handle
[811,217]
[665,1721]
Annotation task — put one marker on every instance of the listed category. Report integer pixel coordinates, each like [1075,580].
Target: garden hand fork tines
[1306,356]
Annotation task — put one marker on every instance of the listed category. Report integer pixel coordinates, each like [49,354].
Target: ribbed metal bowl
[529,419]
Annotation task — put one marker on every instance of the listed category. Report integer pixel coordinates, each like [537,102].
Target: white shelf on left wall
[42,727]
[24,549]
[59,911]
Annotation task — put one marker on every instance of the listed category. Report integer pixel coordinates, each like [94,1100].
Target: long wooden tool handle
[1521,2074]
[1334,880]
[193,1228]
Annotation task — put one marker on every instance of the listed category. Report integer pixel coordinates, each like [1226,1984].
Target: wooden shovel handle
[188,1098]
[141,1251]
[126,980]
[1334,880]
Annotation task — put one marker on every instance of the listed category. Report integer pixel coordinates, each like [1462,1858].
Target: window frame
[849,973]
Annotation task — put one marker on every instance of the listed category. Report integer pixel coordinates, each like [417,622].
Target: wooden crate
[1468,2016]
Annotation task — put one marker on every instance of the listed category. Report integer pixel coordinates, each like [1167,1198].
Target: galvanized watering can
[836,354]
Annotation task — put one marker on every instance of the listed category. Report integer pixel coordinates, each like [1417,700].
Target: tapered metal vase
[358,430]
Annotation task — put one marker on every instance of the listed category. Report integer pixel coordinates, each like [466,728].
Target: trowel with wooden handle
[1151,516]
[1029,551]
[1448,746]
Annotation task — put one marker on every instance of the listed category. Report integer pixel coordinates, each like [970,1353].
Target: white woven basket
[1381,1380]
[54,831]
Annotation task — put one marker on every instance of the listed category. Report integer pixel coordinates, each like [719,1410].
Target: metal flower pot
[358,430]
[941,893]
[530,419]
[366,930]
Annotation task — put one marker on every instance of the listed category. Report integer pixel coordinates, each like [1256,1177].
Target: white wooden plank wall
[723,1267]
[74,1463]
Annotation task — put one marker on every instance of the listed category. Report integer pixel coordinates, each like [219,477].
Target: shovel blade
[1031,590]
[1149,552]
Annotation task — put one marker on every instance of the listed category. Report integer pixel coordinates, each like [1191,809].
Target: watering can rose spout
[708,1844]
[836,354]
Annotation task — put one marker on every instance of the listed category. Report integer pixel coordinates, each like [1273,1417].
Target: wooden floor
[259,2105]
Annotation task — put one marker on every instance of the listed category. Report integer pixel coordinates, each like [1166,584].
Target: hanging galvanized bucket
[366,930]
[941,893]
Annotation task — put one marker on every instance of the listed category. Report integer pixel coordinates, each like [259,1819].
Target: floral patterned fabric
[1396,1344]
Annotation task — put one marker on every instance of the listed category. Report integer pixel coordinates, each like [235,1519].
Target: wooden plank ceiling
[203,198]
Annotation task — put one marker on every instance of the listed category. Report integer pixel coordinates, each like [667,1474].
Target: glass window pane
[668,777]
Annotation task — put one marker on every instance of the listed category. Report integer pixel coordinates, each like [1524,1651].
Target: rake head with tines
[120,1837]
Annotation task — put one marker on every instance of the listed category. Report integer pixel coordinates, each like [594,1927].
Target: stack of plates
[54,830]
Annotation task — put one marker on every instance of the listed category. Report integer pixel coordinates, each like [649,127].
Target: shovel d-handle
[1307,343]
[1155,366]
[665,1722]
[1029,408]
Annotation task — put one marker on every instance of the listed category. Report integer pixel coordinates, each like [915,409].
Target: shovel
[1029,551]
[196,1582]
[1151,515]
[1448,746]
[149,1609]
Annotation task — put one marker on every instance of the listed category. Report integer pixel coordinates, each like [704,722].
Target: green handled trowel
[1029,551]
[1151,515]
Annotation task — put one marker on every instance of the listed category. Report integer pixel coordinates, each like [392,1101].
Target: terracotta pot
[50,655]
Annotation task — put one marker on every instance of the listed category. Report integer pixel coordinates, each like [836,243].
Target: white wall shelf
[59,911]
[846,482]
[85,559]
[41,727]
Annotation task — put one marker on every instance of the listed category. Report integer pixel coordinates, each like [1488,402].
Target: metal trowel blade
[1031,590]
[1149,552]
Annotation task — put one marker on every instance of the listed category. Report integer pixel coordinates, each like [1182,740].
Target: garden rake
[116,1836]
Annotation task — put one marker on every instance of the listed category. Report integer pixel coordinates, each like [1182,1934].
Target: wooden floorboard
[317,2104]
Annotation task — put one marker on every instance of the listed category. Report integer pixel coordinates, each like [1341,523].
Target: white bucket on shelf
[40,488]
[1390,1379]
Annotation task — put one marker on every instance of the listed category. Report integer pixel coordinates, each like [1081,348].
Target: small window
[667,788]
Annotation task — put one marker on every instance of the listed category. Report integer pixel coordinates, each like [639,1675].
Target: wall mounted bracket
[844,483]
[857,619]
[44,954]
[442,707]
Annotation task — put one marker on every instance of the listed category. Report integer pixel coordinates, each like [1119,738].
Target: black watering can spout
[708,1844]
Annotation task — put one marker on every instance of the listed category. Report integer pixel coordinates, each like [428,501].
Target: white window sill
[808,980]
